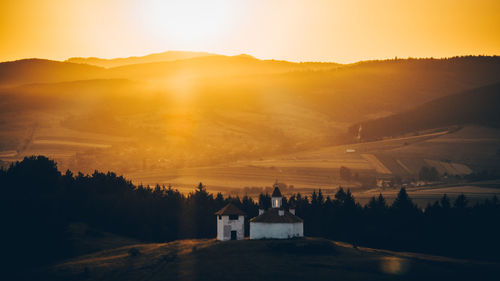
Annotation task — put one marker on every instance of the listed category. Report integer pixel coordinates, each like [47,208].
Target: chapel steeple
[276,197]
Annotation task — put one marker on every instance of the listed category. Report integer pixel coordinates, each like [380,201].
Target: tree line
[38,203]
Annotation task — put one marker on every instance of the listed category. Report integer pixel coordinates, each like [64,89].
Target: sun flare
[192,21]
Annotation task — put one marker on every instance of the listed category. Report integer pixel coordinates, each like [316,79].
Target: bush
[134,252]
[169,257]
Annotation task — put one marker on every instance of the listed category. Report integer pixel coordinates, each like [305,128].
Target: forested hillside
[477,106]
[38,203]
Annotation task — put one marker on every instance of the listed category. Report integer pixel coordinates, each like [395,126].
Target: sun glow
[188,22]
[296,30]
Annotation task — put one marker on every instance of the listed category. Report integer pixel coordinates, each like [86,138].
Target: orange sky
[312,30]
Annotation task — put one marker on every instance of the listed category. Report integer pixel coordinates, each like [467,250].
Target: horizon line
[259,58]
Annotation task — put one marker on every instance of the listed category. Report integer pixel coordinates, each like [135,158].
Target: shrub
[134,252]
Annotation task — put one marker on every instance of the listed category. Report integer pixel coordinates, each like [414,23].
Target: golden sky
[309,30]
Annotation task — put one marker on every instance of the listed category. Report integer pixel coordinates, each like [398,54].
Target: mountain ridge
[154,57]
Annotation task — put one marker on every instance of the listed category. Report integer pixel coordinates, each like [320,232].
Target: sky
[310,30]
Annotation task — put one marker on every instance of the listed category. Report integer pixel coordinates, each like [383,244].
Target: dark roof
[276,192]
[230,209]
[272,216]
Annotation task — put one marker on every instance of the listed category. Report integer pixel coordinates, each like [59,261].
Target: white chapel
[230,223]
[276,222]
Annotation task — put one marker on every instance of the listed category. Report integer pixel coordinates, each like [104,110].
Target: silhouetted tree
[445,202]
[265,201]
[38,203]
[403,202]
[340,197]
[461,202]
[377,204]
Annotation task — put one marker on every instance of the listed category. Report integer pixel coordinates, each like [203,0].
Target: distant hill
[29,71]
[212,66]
[158,57]
[44,71]
[216,109]
[477,106]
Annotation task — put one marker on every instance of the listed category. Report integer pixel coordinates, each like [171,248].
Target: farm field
[309,170]
[460,151]
[61,144]
[306,169]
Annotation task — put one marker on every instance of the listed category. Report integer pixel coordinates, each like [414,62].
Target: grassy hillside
[84,239]
[476,106]
[302,259]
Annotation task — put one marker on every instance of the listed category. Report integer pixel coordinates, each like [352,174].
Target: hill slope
[303,259]
[477,106]
[212,109]
[25,71]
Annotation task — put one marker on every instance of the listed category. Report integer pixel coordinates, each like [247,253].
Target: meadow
[268,259]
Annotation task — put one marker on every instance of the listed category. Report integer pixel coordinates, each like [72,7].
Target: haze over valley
[236,121]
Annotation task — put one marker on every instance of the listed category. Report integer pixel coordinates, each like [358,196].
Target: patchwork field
[62,144]
[455,151]
[309,170]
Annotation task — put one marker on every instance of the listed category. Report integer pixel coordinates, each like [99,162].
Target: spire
[276,191]
[276,197]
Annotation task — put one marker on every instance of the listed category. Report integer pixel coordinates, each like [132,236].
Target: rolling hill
[477,106]
[209,110]
[15,73]
[28,71]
